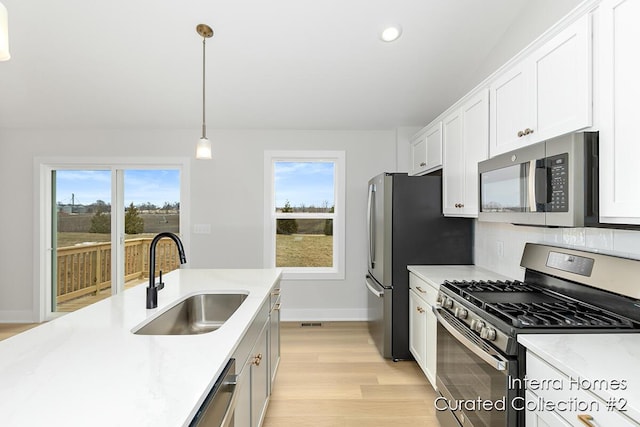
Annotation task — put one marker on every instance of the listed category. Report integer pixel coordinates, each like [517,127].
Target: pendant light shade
[4,34]
[203,149]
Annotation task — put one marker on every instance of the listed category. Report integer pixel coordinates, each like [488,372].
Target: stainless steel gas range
[481,366]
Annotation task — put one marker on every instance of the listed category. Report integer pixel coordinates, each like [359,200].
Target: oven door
[472,378]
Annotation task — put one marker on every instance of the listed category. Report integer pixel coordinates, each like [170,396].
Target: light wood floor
[10,329]
[333,376]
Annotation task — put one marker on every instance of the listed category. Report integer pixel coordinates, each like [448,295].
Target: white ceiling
[291,64]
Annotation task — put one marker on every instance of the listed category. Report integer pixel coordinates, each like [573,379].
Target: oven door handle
[372,289]
[498,363]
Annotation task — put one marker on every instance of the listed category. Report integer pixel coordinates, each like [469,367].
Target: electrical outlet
[201,228]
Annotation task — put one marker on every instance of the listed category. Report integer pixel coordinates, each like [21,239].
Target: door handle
[372,290]
[371,226]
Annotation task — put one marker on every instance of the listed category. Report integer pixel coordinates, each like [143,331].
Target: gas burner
[563,314]
[462,286]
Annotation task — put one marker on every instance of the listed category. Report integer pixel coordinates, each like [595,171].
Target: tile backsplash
[499,247]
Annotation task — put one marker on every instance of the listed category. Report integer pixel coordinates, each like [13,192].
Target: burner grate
[464,286]
[555,314]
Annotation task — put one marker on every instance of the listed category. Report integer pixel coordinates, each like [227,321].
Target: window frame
[42,168]
[337,271]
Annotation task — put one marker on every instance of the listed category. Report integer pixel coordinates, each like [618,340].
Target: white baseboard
[15,316]
[326,315]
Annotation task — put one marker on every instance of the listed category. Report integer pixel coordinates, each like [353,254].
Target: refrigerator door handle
[372,288]
[371,226]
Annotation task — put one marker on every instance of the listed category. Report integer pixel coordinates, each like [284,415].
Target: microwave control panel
[558,167]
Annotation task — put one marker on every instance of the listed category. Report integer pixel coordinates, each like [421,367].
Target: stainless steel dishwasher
[217,408]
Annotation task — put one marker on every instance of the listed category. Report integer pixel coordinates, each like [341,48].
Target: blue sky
[308,183]
[141,186]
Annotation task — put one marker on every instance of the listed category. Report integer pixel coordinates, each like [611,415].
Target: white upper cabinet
[619,90]
[510,109]
[426,149]
[547,94]
[465,143]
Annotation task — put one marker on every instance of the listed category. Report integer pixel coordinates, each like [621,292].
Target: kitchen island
[88,368]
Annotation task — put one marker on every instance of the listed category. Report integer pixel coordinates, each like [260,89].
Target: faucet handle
[160,284]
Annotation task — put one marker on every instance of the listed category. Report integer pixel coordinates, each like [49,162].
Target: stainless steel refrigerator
[406,227]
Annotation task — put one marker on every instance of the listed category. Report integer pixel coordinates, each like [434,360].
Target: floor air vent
[308,324]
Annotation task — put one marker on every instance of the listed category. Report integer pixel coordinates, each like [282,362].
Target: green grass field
[304,250]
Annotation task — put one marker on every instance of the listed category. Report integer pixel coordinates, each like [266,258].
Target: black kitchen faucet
[153,288]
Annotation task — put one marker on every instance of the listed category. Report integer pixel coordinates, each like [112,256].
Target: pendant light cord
[204,128]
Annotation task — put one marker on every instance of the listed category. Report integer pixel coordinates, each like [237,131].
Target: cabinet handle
[420,309]
[459,205]
[420,289]
[423,164]
[585,418]
[276,292]
[257,359]
[277,307]
[525,132]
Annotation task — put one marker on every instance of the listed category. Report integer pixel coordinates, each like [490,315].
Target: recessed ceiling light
[391,33]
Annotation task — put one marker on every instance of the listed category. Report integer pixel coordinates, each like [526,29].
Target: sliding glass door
[102,221]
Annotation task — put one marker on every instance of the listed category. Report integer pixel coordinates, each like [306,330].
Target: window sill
[289,273]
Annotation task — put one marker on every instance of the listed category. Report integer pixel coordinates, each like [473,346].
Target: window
[304,213]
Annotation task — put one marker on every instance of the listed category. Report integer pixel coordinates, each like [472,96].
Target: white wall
[226,192]
[499,247]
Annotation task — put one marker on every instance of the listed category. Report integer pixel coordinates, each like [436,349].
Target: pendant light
[4,34]
[203,149]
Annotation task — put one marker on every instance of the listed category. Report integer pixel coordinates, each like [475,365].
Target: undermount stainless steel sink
[197,314]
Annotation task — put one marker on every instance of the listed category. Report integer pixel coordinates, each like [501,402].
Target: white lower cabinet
[572,405]
[539,418]
[274,336]
[257,358]
[423,325]
[259,365]
[418,328]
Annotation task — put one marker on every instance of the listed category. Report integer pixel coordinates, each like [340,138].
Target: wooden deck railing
[86,269]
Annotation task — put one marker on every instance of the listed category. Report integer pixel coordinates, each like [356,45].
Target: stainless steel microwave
[552,183]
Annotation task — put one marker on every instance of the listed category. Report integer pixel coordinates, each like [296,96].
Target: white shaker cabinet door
[417,328]
[465,143]
[426,150]
[620,108]
[562,76]
[511,101]
[453,167]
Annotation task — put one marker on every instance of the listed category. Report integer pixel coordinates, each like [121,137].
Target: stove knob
[448,303]
[488,333]
[477,325]
[461,313]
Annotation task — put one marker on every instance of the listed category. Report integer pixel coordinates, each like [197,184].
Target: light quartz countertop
[437,274]
[595,357]
[88,369]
